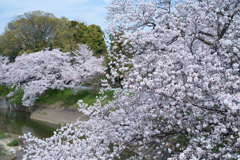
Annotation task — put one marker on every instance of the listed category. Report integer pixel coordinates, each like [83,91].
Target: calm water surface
[19,123]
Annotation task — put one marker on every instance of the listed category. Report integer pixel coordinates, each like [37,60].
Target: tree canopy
[37,30]
[34,73]
[91,35]
[117,47]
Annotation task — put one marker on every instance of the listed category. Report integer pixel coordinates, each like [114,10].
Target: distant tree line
[34,31]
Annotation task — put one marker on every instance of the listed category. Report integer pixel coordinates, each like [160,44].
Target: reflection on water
[20,123]
[12,121]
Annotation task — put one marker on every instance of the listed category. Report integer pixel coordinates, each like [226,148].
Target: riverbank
[6,154]
[53,109]
[57,107]
[56,116]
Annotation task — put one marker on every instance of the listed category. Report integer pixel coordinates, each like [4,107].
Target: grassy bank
[4,91]
[2,135]
[68,98]
[64,98]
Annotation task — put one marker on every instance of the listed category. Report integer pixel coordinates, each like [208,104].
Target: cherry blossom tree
[35,73]
[180,96]
[3,67]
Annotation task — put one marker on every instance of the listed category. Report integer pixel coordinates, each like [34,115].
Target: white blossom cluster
[37,72]
[181,93]
[3,67]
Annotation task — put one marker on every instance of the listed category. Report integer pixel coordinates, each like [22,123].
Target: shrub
[13,143]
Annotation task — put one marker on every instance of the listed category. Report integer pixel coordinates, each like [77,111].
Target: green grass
[13,143]
[51,96]
[4,91]
[68,98]
[2,153]
[16,98]
[2,135]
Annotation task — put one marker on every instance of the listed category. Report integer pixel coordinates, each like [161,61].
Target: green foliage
[2,153]
[118,48]
[159,119]
[35,31]
[63,37]
[17,96]
[223,142]
[2,135]
[4,91]
[53,95]
[13,143]
[126,154]
[10,45]
[181,139]
[8,135]
[91,35]
[83,137]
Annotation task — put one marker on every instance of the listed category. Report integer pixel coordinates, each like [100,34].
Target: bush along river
[18,122]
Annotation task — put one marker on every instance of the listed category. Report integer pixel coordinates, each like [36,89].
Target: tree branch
[226,25]
[205,41]
[205,33]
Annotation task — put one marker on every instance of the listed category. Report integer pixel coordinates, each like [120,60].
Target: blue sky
[89,11]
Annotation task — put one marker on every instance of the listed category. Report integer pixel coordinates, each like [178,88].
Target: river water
[15,122]
[19,123]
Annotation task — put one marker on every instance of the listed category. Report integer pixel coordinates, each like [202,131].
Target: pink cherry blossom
[182,86]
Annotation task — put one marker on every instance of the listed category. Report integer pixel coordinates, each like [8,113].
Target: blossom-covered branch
[34,73]
[181,94]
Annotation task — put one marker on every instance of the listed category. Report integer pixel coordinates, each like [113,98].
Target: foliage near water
[13,143]
[2,153]
[17,97]
[53,95]
[2,135]
[16,121]
[61,33]
[4,91]
[36,72]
